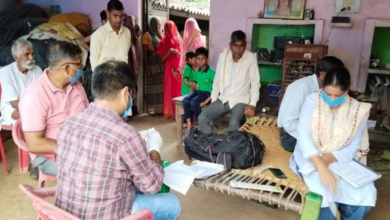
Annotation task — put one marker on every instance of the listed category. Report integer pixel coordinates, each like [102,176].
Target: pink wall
[91,8]
[345,43]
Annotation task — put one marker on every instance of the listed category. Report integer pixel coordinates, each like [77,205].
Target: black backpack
[237,149]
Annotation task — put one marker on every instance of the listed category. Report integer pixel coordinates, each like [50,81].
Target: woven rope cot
[294,189]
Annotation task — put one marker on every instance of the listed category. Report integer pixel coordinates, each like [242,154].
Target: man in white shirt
[294,98]
[15,78]
[112,41]
[236,86]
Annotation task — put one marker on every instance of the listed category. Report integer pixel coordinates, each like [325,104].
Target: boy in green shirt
[203,83]
[188,73]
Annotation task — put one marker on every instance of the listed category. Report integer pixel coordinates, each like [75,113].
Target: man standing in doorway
[112,41]
[236,85]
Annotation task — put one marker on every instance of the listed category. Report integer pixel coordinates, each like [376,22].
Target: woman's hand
[174,51]
[328,179]
[328,159]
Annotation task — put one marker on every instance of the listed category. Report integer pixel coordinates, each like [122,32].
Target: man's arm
[38,144]
[34,116]
[254,76]
[145,167]
[290,109]
[15,104]
[9,93]
[215,92]
[96,47]
[84,42]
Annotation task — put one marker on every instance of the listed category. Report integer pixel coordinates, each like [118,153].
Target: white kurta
[305,149]
[13,83]
[292,103]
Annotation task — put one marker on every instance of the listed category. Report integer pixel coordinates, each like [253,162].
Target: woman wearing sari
[192,40]
[154,68]
[170,49]
[332,129]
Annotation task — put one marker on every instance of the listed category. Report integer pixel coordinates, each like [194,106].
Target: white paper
[355,173]
[180,177]
[371,124]
[205,169]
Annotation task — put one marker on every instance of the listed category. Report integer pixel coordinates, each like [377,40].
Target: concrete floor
[197,204]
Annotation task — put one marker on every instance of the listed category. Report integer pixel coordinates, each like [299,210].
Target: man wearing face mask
[49,100]
[112,41]
[15,78]
[99,171]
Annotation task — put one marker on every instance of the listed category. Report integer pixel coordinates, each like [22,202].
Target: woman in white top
[332,129]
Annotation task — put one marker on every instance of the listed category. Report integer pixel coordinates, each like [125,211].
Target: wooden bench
[179,118]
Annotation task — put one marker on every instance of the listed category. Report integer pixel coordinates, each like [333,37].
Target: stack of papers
[355,173]
[180,177]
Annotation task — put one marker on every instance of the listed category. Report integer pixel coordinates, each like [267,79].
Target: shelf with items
[261,33]
[380,71]
[269,63]
[342,25]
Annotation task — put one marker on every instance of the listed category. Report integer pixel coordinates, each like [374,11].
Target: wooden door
[159,8]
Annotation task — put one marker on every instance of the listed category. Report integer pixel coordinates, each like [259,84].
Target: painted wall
[345,43]
[91,8]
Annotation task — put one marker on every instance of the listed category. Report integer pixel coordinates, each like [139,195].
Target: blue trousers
[348,212]
[164,206]
[192,102]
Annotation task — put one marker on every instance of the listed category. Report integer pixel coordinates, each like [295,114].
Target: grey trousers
[46,165]
[216,110]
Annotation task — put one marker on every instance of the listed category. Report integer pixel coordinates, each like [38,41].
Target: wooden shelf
[345,25]
[265,62]
[379,71]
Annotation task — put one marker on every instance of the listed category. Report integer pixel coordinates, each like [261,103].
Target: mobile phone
[278,173]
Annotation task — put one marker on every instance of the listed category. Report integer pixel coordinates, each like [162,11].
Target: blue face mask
[79,73]
[128,109]
[333,103]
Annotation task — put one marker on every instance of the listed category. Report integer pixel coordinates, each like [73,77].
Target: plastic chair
[47,211]
[43,178]
[2,152]
[18,136]
[4,159]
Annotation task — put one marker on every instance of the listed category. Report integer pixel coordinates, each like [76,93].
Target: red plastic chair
[18,136]
[24,157]
[4,159]
[2,152]
[47,211]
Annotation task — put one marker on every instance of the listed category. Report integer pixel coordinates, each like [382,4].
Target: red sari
[172,71]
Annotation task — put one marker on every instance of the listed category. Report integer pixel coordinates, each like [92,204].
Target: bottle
[164,188]
[302,41]
[265,109]
[311,14]
[312,206]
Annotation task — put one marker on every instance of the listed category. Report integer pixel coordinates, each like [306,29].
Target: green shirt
[204,79]
[188,73]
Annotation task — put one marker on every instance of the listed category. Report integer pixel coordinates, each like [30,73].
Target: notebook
[355,173]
